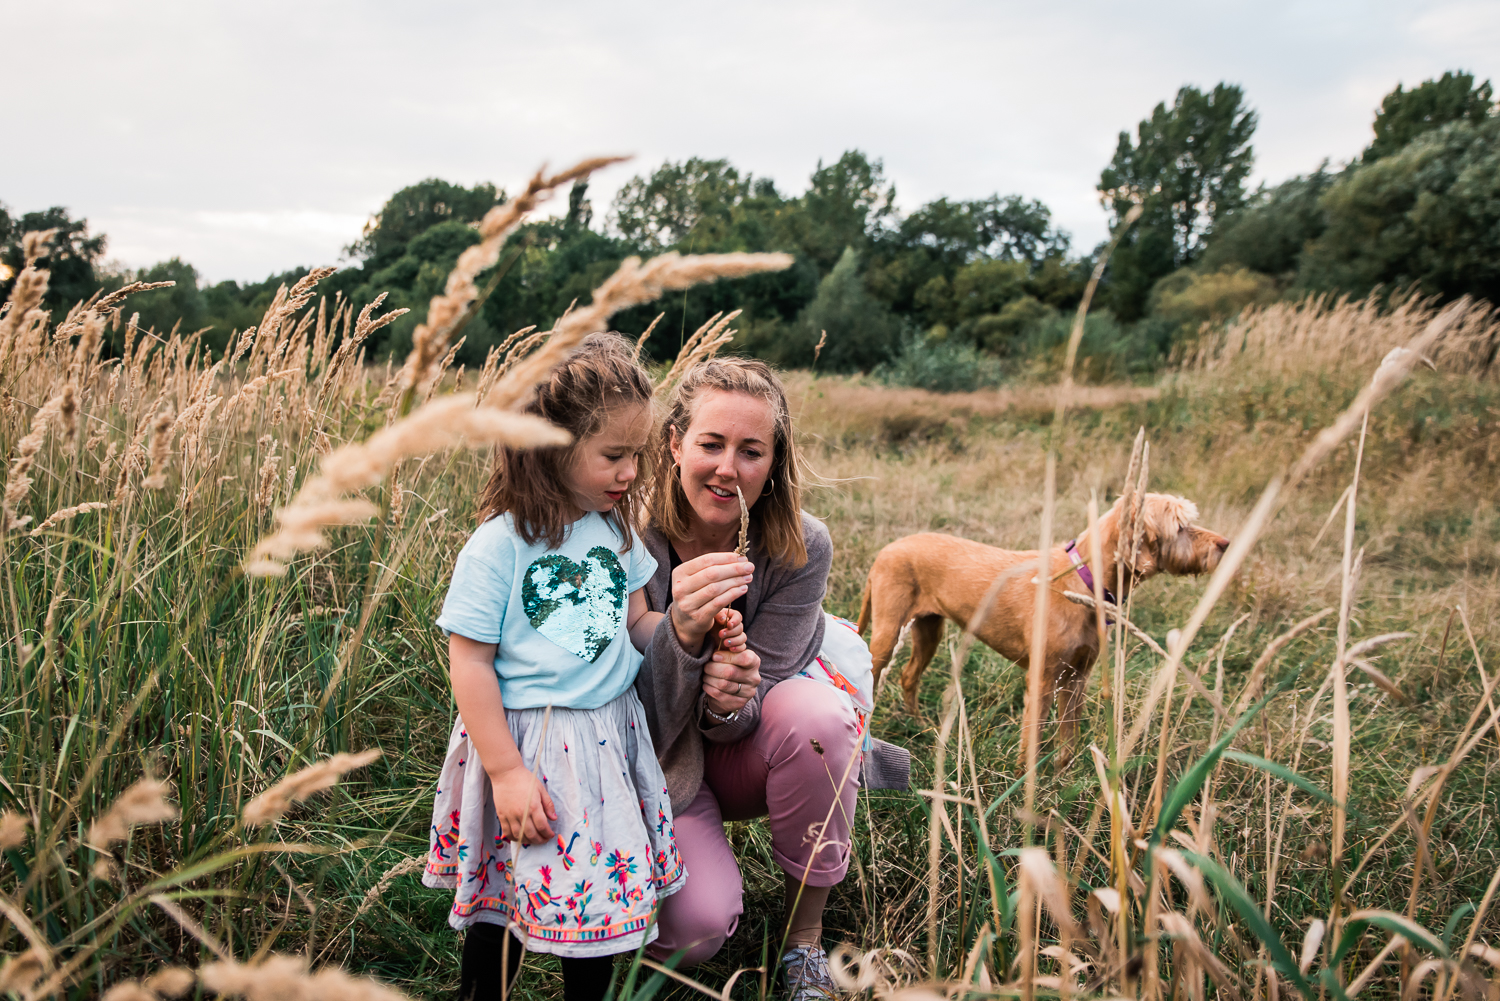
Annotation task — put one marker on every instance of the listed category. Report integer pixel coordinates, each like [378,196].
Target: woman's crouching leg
[809,739]
[706,910]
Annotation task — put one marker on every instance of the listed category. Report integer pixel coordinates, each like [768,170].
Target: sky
[251,138]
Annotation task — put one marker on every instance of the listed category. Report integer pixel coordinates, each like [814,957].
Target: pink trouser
[778,772]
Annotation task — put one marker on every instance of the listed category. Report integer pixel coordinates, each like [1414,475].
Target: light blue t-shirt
[557,615]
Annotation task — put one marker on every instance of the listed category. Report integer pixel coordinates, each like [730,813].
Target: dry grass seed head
[430,339]
[641,341]
[286,978]
[129,990]
[272,804]
[144,802]
[26,295]
[68,414]
[161,445]
[12,829]
[34,244]
[20,973]
[68,513]
[18,481]
[439,425]
[171,981]
[403,868]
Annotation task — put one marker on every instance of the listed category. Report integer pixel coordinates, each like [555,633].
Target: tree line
[976,287]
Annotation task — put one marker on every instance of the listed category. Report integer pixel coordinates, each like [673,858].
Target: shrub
[943,366]
[1110,350]
[999,333]
[1189,298]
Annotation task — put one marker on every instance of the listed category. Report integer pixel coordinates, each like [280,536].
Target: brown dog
[924,579]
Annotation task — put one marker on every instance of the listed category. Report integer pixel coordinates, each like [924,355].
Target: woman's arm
[520,800]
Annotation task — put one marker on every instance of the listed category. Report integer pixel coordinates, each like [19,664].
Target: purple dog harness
[1087,576]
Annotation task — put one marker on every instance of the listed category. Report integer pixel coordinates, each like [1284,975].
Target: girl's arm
[640,621]
[520,800]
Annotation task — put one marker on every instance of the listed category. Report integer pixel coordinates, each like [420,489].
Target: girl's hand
[523,806]
[700,588]
[731,677]
[730,630]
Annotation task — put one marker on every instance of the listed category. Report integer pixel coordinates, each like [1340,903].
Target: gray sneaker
[805,969]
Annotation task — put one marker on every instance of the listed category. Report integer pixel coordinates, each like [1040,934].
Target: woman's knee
[807,718]
[697,924]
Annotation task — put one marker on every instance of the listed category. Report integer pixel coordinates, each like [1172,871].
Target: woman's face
[730,442]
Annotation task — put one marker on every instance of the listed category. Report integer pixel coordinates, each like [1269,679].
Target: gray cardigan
[784,624]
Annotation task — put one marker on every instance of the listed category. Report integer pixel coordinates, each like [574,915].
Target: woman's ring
[739,686]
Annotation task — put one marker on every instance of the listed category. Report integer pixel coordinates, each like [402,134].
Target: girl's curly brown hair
[578,397]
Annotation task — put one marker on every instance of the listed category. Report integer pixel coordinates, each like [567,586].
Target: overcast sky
[248,138]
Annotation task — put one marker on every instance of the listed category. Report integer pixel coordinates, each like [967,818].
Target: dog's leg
[926,632]
[1050,671]
[1072,683]
[888,614]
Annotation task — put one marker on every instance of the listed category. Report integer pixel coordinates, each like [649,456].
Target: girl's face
[604,464]
[730,442]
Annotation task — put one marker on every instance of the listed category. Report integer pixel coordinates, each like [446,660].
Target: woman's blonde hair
[777,513]
[600,375]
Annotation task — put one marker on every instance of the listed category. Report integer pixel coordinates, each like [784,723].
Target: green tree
[1406,114]
[1187,167]
[413,210]
[913,263]
[1271,232]
[180,306]
[709,206]
[1427,215]
[848,204]
[71,257]
[862,333]
[692,202]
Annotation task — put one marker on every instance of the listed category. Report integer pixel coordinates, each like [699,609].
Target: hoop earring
[770,483]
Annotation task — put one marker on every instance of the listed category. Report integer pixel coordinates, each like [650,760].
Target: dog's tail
[864,610]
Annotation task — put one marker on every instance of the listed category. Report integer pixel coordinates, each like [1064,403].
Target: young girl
[552,816]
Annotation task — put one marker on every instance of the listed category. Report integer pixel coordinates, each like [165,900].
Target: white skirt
[595,890]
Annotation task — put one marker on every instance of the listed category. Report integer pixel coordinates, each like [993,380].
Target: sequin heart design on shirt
[577,606]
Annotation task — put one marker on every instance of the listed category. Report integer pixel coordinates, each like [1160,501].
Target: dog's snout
[1222,543]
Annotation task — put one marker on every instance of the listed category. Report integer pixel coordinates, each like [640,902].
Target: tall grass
[1270,840]
[163,712]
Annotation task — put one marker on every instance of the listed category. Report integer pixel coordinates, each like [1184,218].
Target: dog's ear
[1166,514]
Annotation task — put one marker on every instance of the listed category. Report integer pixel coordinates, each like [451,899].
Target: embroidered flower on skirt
[595,889]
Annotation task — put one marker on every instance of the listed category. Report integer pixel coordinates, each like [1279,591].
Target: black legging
[483,974]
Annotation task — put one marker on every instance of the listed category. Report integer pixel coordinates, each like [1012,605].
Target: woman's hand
[731,677]
[523,805]
[700,589]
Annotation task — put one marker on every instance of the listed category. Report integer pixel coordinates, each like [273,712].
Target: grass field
[135,646]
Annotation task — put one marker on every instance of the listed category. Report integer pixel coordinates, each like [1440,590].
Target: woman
[744,735]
